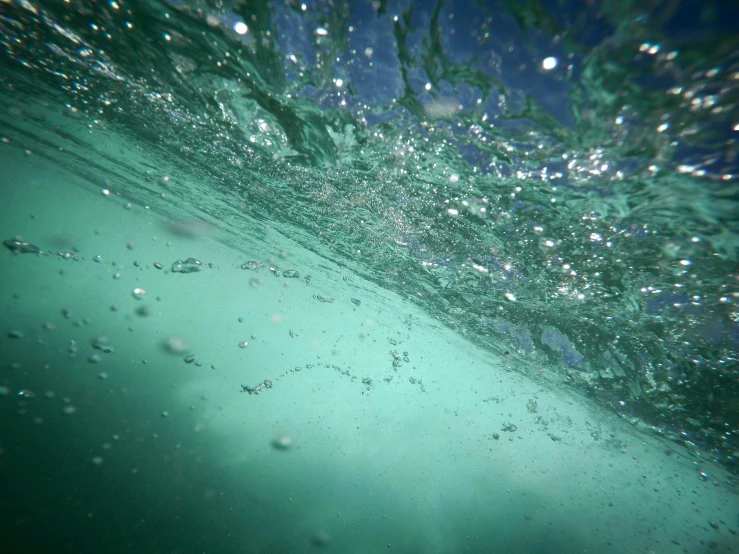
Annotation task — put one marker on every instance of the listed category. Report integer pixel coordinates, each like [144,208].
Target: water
[369,277]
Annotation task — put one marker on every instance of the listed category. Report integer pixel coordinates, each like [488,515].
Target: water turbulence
[402,239]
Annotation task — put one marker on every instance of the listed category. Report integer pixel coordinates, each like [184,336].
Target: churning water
[418,277]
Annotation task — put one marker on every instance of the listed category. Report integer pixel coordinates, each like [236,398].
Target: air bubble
[282,442]
[190,265]
[139,293]
[175,345]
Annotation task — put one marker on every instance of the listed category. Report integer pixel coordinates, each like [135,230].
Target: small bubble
[139,293]
[190,265]
[243,344]
[282,442]
[175,345]
[101,343]
[321,539]
[165,414]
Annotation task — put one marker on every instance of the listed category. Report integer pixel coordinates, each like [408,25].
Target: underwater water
[423,277]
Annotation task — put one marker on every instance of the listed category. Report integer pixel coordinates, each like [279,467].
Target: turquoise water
[366,276]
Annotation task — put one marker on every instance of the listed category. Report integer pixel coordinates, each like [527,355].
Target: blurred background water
[553,182]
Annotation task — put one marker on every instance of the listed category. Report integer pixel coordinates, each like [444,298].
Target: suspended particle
[243,344]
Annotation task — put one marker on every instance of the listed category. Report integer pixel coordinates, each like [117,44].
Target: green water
[444,229]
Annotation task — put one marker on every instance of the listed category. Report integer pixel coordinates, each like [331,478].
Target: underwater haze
[421,277]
